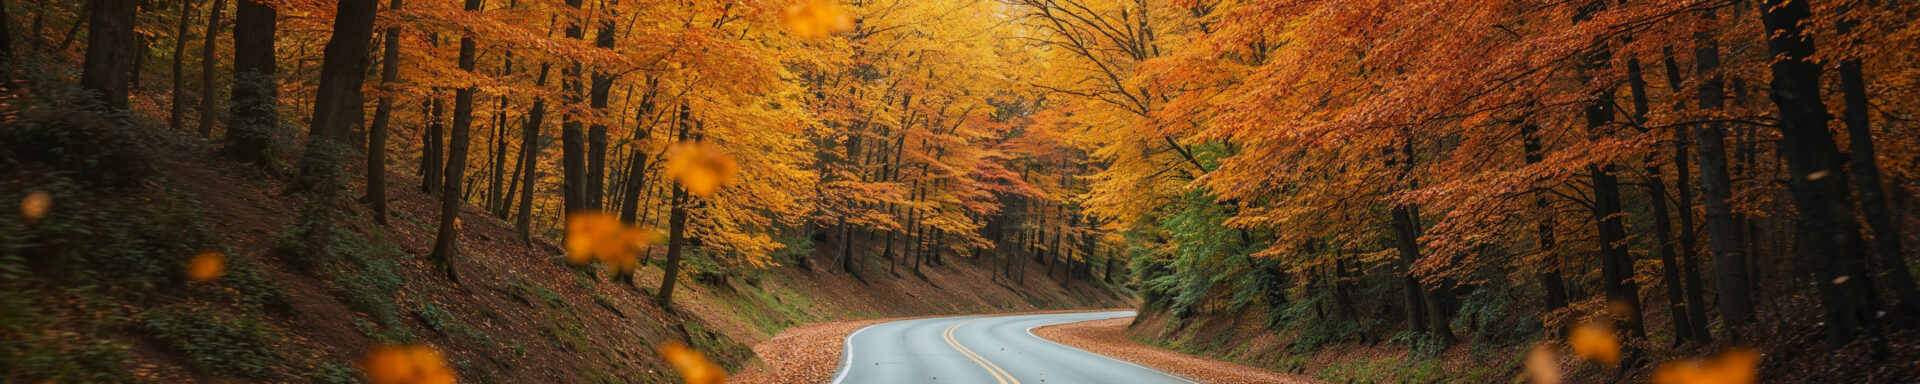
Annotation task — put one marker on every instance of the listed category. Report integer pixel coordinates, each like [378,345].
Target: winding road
[982,349]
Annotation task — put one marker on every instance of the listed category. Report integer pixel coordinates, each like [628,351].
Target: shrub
[213,341]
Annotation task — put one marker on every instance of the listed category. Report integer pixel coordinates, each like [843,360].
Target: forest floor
[519,312]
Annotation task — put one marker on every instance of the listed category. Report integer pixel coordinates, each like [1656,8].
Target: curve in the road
[982,349]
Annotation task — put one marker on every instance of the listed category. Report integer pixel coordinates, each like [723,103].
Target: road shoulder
[1108,338]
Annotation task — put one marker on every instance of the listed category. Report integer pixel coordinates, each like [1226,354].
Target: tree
[254,114]
[382,114]
[446,244]
[110,51]
[208,60]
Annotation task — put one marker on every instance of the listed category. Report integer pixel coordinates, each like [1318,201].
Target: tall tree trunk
[108,70]
[1550,279]
[1623,296]
[208,60]
[1669,263]
[1865,170]
[573,148]
[433,157]
[382,115]
[446,244]
[1409,248]
[676,223]
[530,146]
[1716,188]
[1830,237]
[1689,246]
[602,85]
[255,96]
[176,114]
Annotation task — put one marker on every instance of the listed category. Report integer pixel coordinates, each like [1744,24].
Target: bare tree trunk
[446,244]
[108,70]
[676,225]
[208,60]
[176,114]
[382,115]
[255,96]
[1865,169]
[1830,237]
[1716,188]
[530,146]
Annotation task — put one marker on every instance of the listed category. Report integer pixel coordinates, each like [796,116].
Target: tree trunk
[1409,248]
[1865,170]
[382,114]
[108,69]
[1550,278]
[530,146]
[176,114]
[1830,237]
[433,157]
[1669,264]
[1623,297]
[255,96]
[446,244]
[1689,247]
[208,60]
[602,85]
[1716,188]
[676,225]
[573,149]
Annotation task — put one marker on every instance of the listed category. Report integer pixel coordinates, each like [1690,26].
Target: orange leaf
[35,206]
[1736,366]
[1595,342]
[406,365]
[206,266]
[693,367]
[699,166]
[815,18]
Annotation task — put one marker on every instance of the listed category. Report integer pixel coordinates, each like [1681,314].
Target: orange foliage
[206,266]
[593,235]
[1735,366]
[1595,342]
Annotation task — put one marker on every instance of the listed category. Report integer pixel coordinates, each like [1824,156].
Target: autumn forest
[1425,191]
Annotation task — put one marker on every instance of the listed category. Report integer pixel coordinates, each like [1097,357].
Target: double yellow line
[999,375]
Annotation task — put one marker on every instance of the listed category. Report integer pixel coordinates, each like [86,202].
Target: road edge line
[846,354]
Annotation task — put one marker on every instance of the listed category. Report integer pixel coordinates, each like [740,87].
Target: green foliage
[91,238]
[368,279]
[214,341]
[32,355]
[1488,314]
[333,374]
[99,148]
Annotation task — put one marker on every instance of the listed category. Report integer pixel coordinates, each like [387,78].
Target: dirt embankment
[1109,338]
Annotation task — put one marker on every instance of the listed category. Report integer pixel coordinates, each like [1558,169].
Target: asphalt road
[982,349]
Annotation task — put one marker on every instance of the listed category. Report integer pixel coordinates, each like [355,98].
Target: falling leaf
[594,235]
[1840,280]
[411,364]
[699,166]
[206,266]
[1817,175]
[1542,367]
[815,18]
[693,367]
[1735,366]
[35,206]
[1595,342]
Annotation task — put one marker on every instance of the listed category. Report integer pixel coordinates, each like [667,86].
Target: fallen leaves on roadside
[699,166]
[1542,367]
[206,266]
[1735,366]
[1595,342]
[594,235]
[815,18]
[411,364]
[35,206]
[692,366]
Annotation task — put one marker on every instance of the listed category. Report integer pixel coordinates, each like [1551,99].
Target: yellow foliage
[699,166]
[206,266]
[692,366]
[1736,366]
[815,18]
[1595,342]
[411,364]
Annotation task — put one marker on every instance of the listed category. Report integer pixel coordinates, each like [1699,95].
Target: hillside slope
[519,314]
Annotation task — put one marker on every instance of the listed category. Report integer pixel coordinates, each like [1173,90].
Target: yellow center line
[999,375]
